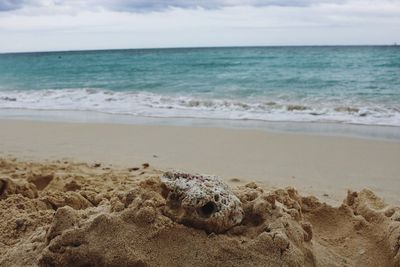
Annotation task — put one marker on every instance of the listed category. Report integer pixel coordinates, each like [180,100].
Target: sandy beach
[324,166]
[75,194]
[229,133]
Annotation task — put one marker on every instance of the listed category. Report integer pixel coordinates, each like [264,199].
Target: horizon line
[197,47]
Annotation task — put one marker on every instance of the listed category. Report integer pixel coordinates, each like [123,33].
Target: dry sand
[113,211]
[73,214]
[323,166]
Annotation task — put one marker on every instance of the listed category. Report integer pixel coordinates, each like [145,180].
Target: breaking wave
[157,105]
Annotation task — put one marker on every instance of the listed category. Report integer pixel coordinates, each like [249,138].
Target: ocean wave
[158,105]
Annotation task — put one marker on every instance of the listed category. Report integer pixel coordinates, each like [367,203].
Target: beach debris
[347,109]
[20,224]
[145,165]
[133,169]
[12,99]
[201,201]
[296,107]
[96,165]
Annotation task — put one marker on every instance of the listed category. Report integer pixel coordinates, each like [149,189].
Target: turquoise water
[326,84]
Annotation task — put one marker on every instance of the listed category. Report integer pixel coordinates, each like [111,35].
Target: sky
[51,25]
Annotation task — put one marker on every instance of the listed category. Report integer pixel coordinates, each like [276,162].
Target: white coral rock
[201,201]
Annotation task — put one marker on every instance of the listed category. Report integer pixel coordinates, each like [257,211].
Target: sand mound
[72,214]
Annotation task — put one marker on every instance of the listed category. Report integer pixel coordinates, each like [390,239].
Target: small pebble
[19,224]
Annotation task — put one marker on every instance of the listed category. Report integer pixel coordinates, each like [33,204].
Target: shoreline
[335,129]
[320,165]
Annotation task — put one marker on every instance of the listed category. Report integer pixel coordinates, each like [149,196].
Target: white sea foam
[156,105]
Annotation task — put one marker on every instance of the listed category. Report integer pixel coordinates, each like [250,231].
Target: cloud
[153,5]
[7,5]
[106,24]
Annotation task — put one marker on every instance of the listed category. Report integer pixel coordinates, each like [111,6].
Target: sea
[345,85]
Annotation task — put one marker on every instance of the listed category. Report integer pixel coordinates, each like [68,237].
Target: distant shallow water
[348,85]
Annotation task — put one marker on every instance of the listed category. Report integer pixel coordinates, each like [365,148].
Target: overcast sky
[47,25]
